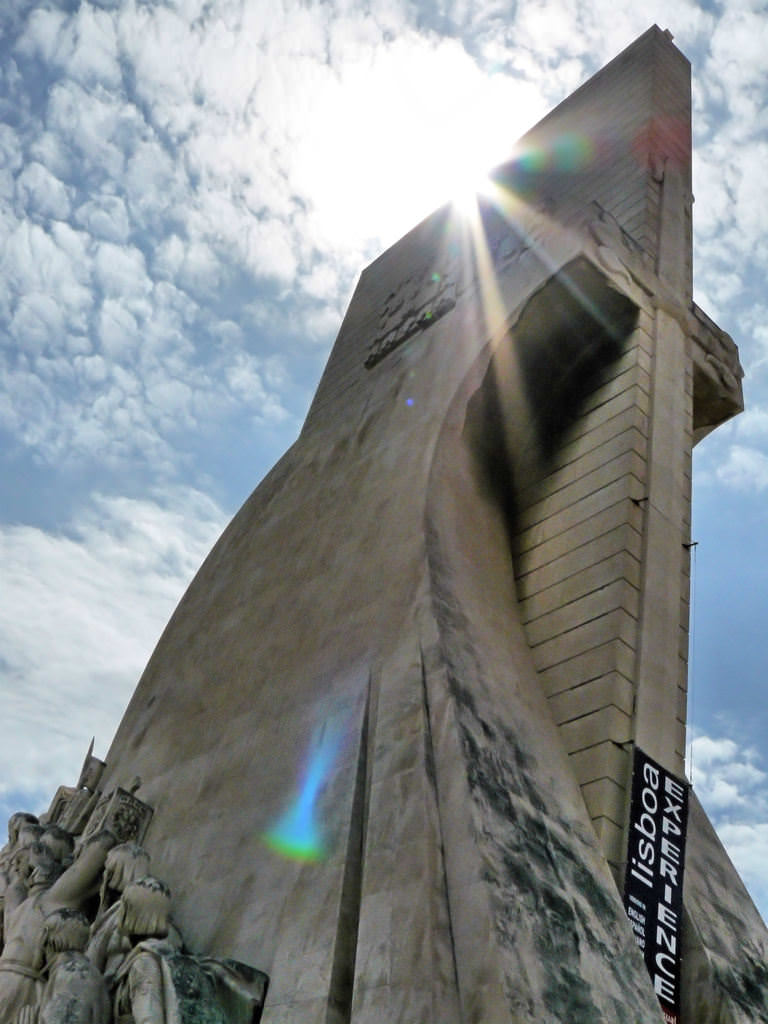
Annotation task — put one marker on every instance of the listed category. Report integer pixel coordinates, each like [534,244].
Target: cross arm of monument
[717,375]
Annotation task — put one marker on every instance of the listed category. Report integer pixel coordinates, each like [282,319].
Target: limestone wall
[578,559]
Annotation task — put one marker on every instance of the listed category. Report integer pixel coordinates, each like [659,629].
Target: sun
[395,136]
[469,189]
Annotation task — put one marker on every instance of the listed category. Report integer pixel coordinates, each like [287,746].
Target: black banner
[653,888]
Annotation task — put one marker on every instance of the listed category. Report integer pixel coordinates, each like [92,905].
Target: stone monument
[412,742]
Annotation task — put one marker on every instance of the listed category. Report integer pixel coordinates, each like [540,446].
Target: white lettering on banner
[654,878]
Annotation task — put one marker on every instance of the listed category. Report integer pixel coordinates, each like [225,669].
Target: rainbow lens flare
[567,153]
[533,161]
[571,152]
[297,835]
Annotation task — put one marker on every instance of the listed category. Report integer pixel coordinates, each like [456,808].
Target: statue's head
[20,862]
[125,863]
[43,869]
[65,929]
[145,909]
[16,821]
[29,832]
[58,842]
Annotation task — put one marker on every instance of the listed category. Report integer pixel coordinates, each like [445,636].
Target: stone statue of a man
[145,992]
[22,956]
[157,983]
[108,947]
[75,992]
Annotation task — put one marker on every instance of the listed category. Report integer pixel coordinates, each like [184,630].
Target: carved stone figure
[22,956]
[121,812]
[75,992]
[91,772]
[145,992]
[32,866]
[59,843]
[72,808]
[15,823]
[29,832]
[7,873]
[108,947]
[57,967]
[160,984]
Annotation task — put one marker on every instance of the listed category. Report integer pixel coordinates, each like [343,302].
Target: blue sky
[188,191]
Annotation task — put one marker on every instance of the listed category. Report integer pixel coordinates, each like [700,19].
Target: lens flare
[572,152]
[533,161]
[297,835]
[567,153]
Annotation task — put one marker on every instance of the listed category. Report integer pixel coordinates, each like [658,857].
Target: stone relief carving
[122,813]
[421,300]
[411,308]
[40,888]
[615,247]
[720,351]
[72,807]
[74,992]
[88,936]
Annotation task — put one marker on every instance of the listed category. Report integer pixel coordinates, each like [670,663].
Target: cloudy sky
[188,190]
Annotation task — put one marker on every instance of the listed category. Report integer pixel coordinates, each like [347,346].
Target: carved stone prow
[717,375]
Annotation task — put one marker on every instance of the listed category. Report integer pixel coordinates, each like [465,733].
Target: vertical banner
[653,889]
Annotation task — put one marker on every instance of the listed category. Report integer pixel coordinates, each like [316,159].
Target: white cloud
[84,43]
[155,184]
[745,469]
[32,261]
[322,282]
[105,217]
[727,776]
[730,781]
[42,33]
[121,271]
[753,422]
[92,55]
[37,321]
[39,191]
[268,250]
[81,612]
[47,148]
[118,330]
[246,377]
[89,125]
[93,368]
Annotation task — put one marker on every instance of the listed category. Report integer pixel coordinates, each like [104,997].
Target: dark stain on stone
[584,881]
[486,781]
[429,753]
[746,987]
[569,997]
[463,697]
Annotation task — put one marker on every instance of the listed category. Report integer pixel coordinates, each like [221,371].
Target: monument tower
[430,685]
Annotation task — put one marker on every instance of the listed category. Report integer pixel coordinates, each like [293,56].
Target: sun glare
[395,136]
[467,193]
